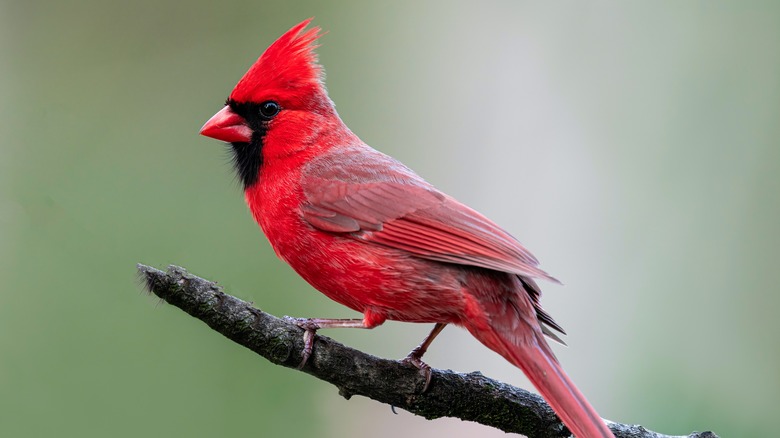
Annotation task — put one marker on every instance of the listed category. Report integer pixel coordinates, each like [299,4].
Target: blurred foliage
[639,142]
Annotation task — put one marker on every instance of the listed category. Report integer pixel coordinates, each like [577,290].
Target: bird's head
[277,103]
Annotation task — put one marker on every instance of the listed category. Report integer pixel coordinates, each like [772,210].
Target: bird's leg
[415,356]
[311,325]
[417,353]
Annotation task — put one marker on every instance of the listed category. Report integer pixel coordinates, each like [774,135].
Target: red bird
[371,234]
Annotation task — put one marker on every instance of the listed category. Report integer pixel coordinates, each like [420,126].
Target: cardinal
[371,234]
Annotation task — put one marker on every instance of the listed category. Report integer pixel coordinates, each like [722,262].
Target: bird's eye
[269,109]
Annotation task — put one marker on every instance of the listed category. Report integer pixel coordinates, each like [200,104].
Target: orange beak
[227,126]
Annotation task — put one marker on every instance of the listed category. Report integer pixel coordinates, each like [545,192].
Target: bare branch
[471,397]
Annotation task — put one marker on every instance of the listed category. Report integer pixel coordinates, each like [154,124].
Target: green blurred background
[633,146]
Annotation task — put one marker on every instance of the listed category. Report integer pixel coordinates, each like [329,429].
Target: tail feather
[543,370]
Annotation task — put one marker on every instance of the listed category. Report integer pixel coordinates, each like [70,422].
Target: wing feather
[369,196]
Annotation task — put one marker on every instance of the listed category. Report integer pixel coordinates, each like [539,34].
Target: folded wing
[372,197]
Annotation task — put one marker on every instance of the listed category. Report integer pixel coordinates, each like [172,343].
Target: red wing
[374,198]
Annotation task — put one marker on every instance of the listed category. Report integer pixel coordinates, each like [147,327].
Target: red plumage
[288,66]
[372,235]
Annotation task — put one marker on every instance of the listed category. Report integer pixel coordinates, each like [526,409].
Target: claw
[414,358]
[310,328]
[308,346]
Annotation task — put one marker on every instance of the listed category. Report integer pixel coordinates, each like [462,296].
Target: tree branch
[471,397]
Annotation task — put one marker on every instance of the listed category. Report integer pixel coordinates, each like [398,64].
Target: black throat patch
[247,158]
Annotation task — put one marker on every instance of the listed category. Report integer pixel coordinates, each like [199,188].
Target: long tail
[530,353]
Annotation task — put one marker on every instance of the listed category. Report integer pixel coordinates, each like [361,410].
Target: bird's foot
[415,358]
[310,328]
